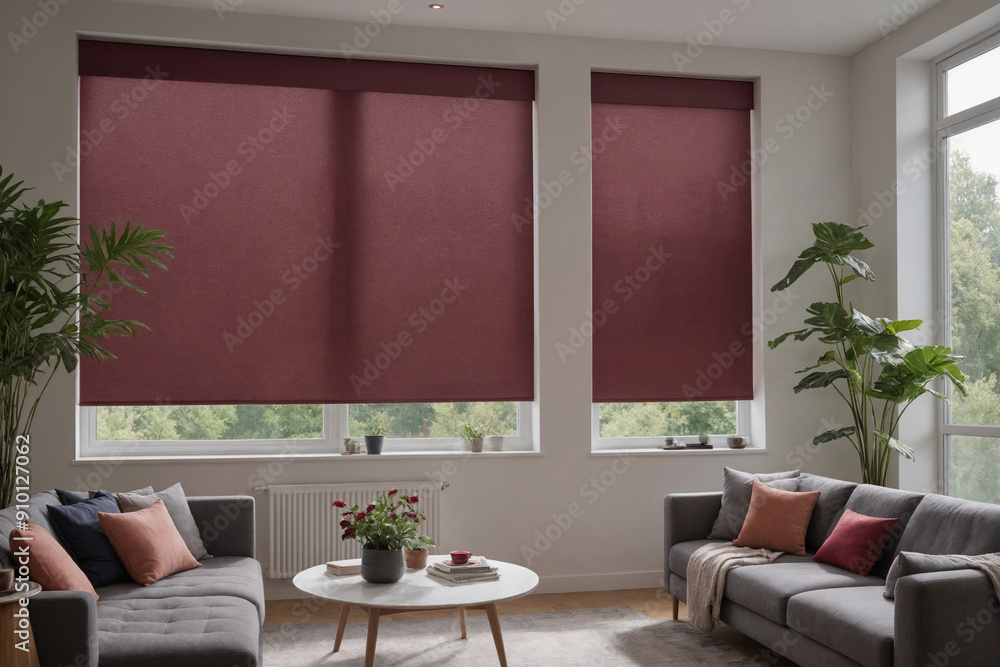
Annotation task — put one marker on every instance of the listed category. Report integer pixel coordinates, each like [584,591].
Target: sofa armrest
[946,618]
[226,523]
[686,517]
[64,624]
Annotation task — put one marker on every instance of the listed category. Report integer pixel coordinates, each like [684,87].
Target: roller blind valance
[342,229]
[672,239]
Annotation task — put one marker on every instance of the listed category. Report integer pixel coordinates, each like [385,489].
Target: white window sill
[667,453]
[396,456]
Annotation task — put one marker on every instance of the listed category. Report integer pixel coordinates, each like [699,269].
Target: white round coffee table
[417,591]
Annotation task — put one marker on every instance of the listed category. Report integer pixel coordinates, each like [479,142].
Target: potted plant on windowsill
[378,425]
[384,528]
[472,436]
[50,305]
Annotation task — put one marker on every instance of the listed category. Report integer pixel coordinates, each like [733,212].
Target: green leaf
[834,244]
[833,434]
[895,445]
[819,379]
[827,358]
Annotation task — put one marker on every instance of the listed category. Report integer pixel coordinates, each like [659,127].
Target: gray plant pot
[474,445]
[382,566]
[373,443]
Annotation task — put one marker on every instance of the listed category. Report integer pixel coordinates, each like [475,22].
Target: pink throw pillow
[147,543]
[857,542]
[48,563]
[777,519]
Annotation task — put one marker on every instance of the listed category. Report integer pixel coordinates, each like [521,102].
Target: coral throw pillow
[857,542]
[148,543]
[777,520]
[48,563]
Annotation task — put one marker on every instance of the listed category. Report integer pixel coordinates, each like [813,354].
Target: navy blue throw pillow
[71,497]
[80,530]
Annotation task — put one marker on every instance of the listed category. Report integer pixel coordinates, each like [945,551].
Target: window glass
[434,420]
[638,420]
[973,82]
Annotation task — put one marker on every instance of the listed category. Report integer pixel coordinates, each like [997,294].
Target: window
[968,131]
[211,430]
[644,425]
[673,261]
[312,268]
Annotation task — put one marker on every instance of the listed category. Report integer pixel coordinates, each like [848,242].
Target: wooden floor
[653,603]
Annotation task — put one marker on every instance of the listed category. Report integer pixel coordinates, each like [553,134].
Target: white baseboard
[283,589]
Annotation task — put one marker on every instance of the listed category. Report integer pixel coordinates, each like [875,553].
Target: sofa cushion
[737,488]
[80,530]
[48,562]
[148,543]
[908,562]
[777,520]
[681,553]
[38,512]
[766,589]
[833,497]
[857,542]
[229,576]
[857,622]
[192,631]
[176,503]
[946,525]
[887,504]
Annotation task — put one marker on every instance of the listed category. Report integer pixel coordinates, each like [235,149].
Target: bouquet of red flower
[388,523]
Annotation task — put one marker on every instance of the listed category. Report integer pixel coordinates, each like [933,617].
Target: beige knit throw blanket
[988,563]
[706,578]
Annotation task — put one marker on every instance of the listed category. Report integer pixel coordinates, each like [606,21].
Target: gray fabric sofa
[206,617]
[821,616]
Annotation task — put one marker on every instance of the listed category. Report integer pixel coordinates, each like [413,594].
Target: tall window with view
[969,134]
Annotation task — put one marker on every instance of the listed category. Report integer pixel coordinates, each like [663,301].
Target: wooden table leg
[345,611]
[373,615]
[461,620]
[494,617]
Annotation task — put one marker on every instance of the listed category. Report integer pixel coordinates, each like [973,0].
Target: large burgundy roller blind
[342,229]
[672,281]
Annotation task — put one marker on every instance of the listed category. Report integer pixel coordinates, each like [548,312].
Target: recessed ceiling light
[437,6]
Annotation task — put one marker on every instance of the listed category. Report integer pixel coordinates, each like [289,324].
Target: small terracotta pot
[415,560]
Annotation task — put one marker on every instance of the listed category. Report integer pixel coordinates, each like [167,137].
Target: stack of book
[477,569]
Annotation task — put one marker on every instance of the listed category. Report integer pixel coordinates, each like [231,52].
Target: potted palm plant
[50,308]
[877,372]
[384,528]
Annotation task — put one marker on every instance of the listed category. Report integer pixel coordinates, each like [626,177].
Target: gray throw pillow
[737,488]
[176,503]
[908,562]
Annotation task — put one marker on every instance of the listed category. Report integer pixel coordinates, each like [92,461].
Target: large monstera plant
[50,305]
[877,372]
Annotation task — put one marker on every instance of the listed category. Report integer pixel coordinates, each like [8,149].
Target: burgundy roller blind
[342,230]
[672,285]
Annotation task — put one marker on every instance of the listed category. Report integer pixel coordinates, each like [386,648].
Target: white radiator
[305,528]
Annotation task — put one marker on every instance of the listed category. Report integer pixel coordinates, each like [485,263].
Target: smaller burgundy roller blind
[672,237]
[342,230]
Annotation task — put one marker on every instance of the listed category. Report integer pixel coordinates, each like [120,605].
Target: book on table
[344,567]
[460,578]
[477,569]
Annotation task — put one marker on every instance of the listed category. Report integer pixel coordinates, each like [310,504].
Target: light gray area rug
[611,636]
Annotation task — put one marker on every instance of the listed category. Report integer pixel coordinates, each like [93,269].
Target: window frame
[602,444]
[335,426]
[944,127]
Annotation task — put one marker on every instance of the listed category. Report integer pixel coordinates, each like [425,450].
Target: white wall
[495,506]
[892,151]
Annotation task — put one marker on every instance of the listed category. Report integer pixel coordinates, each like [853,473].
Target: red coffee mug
[460,557]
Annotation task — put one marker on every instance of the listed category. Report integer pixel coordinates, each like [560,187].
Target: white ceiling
[838,27]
